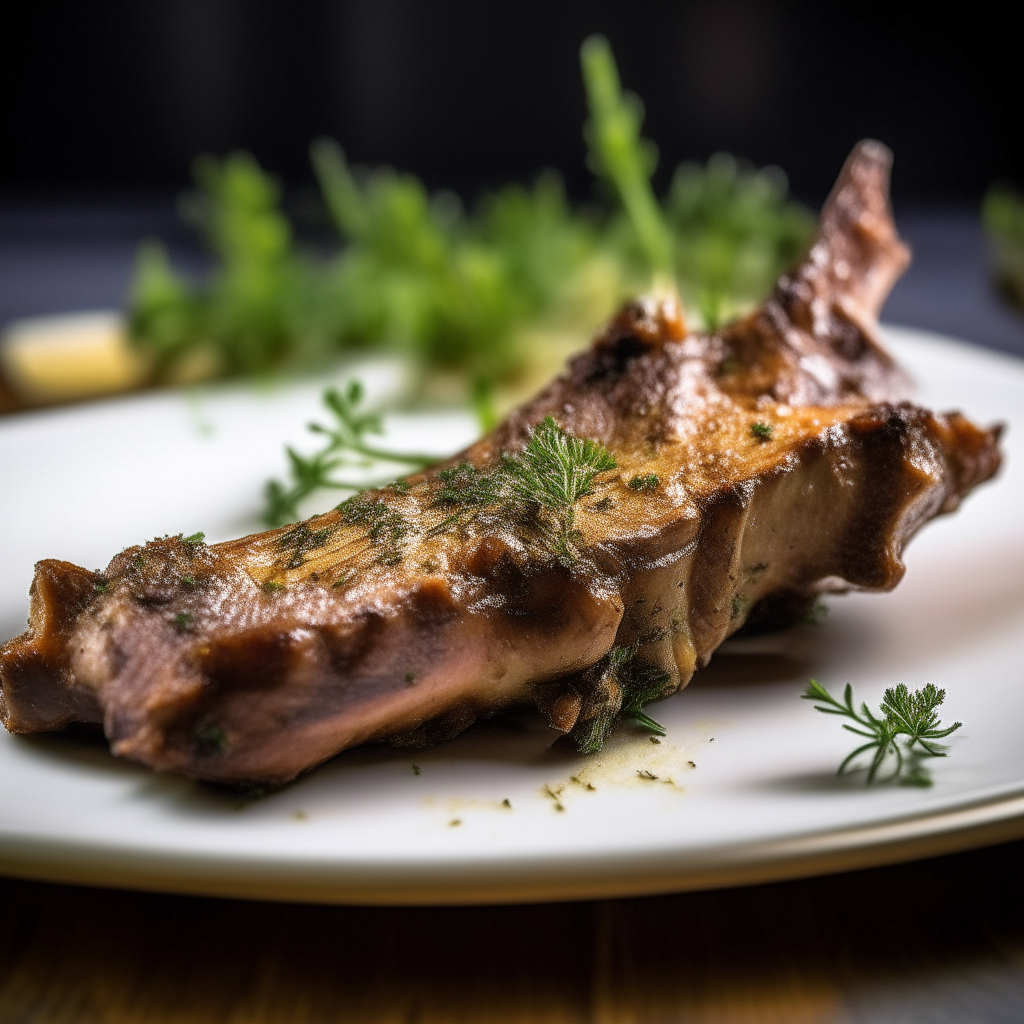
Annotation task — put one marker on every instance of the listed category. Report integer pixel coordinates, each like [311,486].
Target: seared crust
[777,459]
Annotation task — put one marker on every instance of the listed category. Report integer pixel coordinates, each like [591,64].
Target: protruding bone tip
[874,151]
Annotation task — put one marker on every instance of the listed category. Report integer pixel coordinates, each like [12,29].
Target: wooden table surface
[934,941]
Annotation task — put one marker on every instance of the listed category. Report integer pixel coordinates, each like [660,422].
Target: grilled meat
[587,556]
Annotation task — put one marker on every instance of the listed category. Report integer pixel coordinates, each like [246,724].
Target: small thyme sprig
[552,473]
[346,447]
[543,481]
[905,731]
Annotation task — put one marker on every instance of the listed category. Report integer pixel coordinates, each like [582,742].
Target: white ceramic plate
[745,789]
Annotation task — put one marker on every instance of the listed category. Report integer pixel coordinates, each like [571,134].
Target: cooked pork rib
[750,470]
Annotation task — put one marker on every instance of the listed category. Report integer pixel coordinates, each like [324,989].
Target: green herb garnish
[466,487]
[641,680]
[646,483]
[555,469]
[386,528]
[762,431]
[300,540]
[194,540]
[735,232]
[1002,213]
[539,484]
[272,587]
[346,446]
[618,153]
[555,796]
[211,738]
[904,731]
[626,681]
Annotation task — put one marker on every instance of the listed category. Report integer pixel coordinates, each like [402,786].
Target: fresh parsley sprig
[904,732]
[346,446]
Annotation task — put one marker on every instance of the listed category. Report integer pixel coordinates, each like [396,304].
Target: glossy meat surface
[754,468]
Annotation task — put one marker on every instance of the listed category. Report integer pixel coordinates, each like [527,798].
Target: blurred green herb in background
[1002,213]
[622,157]
[488,300]
[735,233]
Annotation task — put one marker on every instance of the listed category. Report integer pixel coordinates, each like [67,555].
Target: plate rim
[980,822]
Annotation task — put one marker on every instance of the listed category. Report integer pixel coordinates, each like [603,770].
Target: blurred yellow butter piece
[49,359]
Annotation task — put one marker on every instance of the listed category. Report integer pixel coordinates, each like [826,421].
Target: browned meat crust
[756,468]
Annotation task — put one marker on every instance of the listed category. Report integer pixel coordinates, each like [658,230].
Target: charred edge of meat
[38,691]
[639,327]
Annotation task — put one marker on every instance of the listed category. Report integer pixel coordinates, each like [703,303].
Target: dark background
[103,97]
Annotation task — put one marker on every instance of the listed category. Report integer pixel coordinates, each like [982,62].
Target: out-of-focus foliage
[253,313]
[415,274]
[734,232]
[451,289]
[724,232]
[480,294]
[619,154]
[1002,213]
